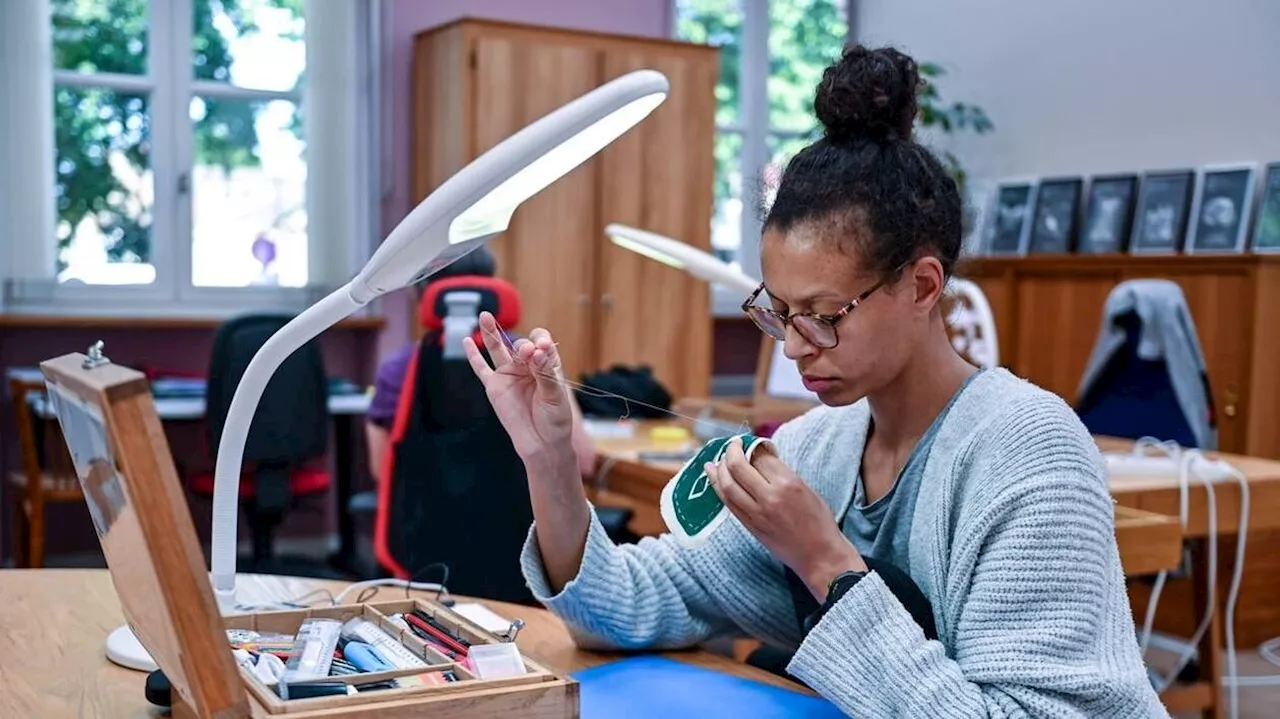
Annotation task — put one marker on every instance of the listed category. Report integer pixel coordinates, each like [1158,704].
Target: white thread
[743,426]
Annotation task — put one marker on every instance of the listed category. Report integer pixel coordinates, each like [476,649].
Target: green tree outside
[94,125]
[805,36]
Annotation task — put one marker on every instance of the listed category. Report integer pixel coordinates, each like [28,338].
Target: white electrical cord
[329,599]
[359,586]
[1192,461]
[1184,465]
[1233,592]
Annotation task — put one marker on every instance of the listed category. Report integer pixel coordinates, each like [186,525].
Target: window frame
[754,128]
[171,84]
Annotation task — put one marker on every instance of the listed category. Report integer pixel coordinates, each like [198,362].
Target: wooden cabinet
[1049,310]
[477,82]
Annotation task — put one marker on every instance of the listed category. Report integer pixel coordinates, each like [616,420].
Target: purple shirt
[388,384]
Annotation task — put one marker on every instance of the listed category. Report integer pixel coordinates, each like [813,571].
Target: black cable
[444,581]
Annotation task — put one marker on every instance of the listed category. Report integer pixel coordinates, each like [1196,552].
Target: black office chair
[289,433]
[1134,397]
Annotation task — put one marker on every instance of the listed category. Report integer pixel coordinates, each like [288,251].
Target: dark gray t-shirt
[883,528]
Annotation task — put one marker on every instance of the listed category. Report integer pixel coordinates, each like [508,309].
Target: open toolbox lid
[121,455]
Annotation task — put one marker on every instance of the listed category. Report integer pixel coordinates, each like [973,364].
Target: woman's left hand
[788,517]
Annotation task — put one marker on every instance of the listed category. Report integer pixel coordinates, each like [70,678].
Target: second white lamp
[461,215]
[784,375]
[681,256]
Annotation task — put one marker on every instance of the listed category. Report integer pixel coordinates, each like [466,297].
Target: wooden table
[55,625]
[1147,528]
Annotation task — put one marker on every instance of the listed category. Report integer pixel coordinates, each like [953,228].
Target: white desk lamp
[784,375]
[462,214]
[681,256]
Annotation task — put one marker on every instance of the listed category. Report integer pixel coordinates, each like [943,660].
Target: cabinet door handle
[606,300]
[1229,409]
[582,300]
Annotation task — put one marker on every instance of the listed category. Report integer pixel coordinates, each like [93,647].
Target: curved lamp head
[477,203]
[681,256]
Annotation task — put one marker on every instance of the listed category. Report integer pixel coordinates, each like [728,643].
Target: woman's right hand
[525,386]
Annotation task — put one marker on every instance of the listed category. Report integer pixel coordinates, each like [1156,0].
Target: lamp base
[124,649]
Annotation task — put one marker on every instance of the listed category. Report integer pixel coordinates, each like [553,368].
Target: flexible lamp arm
[226,479]
[462,214]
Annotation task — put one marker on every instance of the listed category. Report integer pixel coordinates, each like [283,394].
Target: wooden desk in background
[1147,532]
[1149,538]
[56,623]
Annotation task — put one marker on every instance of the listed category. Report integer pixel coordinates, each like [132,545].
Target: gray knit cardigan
[1013,542]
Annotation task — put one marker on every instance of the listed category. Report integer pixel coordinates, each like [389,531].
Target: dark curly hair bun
[868,95]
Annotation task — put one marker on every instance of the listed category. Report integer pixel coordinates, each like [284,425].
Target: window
[234,142]
[773,53]
[180,149]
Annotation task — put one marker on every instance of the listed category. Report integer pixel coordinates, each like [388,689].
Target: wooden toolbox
[139,511]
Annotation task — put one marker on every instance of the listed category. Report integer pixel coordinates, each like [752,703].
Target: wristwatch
[843,582]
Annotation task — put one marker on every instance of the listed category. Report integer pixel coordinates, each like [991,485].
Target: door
[550,249]
[658,177]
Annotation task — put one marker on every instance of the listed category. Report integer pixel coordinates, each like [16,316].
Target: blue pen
[365,657]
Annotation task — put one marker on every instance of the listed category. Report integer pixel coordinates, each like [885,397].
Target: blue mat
[651,687]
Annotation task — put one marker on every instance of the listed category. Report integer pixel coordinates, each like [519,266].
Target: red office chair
[453,490]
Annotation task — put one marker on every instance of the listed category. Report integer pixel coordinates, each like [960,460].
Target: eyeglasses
[817,329]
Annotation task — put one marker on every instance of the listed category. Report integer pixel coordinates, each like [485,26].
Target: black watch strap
[898,582]
[839,586]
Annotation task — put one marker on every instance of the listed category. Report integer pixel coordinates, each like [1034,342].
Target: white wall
[1084,87]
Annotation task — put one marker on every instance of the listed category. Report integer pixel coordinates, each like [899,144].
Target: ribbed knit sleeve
[1036,615]
[654,594]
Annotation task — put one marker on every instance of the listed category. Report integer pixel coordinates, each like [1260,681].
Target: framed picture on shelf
[1108,214]
[1164,204]
[1011,221]
[1057,207]
[1266,231]
[1221,210]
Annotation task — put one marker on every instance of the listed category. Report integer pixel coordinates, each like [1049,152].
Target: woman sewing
[934,540]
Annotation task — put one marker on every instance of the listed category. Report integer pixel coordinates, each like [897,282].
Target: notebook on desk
[651,686]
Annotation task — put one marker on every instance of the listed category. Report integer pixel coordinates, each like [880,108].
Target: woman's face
[806,272]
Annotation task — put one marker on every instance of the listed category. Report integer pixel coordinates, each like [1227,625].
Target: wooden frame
[1244,209]
[121,456]
[1268,206]
[122,460]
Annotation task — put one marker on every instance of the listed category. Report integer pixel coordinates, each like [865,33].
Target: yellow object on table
[669,435]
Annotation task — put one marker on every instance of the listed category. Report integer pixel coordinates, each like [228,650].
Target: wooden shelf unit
[476,82]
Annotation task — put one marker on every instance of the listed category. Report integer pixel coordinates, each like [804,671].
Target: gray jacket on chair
[1167,332]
